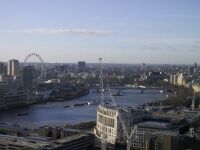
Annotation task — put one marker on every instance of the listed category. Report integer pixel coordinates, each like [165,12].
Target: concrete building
[108,121]
[107,116]
[191,70]
[29,75]
[173,79]
[4,78]
[154,140]
[195,69]
[180,80]
[154,135]
[3,69]
[162,131]
[196,87]
[81,66]
[155,75]
[14,137]
[188,143]
[67,139]
[138,140]
[82,141]
[163,140]
[13,67]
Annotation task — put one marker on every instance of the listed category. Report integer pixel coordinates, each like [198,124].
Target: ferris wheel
[42,64]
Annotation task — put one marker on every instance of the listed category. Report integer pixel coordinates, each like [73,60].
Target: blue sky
[119,31]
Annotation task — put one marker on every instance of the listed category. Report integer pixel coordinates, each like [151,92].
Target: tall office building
[195,69]
[195,65]
[29,74]
[81,66]
[13,67]
[191,70]
[3,69]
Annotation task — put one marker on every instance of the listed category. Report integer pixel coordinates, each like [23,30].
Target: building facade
[108,123]
[107,120]
[29,77]
[13,67]
[81,66]
[3,69]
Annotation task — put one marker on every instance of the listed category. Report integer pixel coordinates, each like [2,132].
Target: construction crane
[129,137]
[104,138]
[113,102]
[194,133]
[101,80]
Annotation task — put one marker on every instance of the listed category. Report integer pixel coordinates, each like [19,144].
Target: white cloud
[165,40]
[64,31]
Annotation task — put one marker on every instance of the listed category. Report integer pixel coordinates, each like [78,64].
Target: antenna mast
[101,80]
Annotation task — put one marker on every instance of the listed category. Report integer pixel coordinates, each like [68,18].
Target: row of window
[107,112]
[106,121]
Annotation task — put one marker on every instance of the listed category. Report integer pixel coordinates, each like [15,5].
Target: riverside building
[108,122]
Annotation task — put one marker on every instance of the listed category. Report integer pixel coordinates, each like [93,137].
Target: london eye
[42,64]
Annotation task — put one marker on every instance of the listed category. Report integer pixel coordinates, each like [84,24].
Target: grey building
[29,75]
[81,66]
[3,68]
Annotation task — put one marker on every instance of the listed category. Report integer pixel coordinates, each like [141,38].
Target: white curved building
[108,117]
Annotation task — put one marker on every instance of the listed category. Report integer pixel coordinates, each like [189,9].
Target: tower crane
[101,80]
[113,102]
[122,122]
[103,139]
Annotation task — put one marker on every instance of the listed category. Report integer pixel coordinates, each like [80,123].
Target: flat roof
[170,133]
[14,127]
[155,124]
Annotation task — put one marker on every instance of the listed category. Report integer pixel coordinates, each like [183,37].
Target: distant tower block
[81,66]
[29,77]
[13,67]
[101,79]
[195,69]
[193,102]
[3,69]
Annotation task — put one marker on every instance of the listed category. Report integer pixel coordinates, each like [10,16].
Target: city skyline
[120,32]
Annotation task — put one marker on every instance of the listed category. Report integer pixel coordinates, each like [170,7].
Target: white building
[108,120]
[107,116]
[196,87]
[180,80]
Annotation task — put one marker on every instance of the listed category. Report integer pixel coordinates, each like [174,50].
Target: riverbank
[176,97]
[54,113]
[26,103]
[6,107]
[182,97]
[69,96]
[82,126]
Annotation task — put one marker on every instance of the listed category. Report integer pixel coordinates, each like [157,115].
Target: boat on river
[22,114]
[93,103]
[80,104]
[67,106]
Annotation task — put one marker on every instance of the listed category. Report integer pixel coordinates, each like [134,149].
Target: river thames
[54,113]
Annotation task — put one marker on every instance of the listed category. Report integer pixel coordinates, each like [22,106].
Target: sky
[119,31]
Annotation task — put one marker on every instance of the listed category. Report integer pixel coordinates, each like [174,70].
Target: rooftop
[155,125]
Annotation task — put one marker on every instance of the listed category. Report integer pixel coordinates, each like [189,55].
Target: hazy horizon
[125,32]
